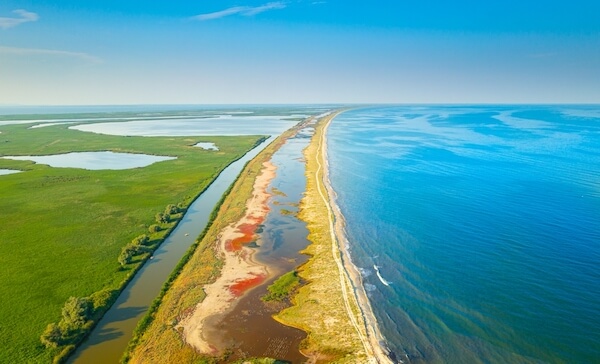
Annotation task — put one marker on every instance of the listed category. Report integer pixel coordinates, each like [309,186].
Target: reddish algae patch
[248,231]
[239,287]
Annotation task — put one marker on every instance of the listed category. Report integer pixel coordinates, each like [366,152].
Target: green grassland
[62,229]
[283,287]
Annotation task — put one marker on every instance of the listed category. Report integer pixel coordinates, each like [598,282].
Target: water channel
[110,337]
[249,330]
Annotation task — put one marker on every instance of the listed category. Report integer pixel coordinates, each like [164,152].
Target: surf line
[380,277]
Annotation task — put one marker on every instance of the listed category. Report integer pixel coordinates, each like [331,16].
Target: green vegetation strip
[283,287]
[63,229]
[157,339]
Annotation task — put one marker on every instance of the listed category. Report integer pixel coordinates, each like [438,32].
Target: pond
[206,146]
[8,171]
[95,160]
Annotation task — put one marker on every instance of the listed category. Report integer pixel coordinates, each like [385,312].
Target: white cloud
[24,16]
[50,52]
[241,10]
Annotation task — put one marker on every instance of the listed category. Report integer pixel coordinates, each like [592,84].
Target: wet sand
[240,271]
[249,330]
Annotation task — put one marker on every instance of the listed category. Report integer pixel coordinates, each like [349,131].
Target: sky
[92,52]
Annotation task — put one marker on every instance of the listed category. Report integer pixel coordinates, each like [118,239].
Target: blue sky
[184,52]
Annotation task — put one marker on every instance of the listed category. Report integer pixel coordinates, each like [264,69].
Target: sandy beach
[333,307]
[240,272]
[373,337]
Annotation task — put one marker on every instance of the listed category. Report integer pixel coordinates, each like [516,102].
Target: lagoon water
[484,222]
[206,146]
[94,160]
[4,171]
[216,125]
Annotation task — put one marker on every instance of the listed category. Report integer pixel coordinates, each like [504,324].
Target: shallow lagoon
[222,125]
[8,171]
[95,160]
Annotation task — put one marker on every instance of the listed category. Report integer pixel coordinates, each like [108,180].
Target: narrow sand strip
[365,324]
[239,273]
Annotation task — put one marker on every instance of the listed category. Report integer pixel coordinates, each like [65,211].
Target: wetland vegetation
[64,229]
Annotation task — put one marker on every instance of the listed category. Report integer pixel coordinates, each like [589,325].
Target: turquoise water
[485,221]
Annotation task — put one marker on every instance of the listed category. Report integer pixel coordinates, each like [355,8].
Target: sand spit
[240,272]
[333,307]
[373,338]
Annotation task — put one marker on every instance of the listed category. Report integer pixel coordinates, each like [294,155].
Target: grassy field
[159,342]
[62,229]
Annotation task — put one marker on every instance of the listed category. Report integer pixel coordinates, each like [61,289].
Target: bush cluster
[136,247]
[76,314]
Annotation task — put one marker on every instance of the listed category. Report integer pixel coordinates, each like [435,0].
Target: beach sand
[239,273]
[374,336]
[333,307]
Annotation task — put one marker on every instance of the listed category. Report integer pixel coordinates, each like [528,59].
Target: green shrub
[283,287]
[52,337]
[76,312]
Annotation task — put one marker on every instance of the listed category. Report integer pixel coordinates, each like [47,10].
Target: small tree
[76,312]
[140,240]
[52,336]
[171,209]
[162,218]
[129,251]
[125,257]
[154,228]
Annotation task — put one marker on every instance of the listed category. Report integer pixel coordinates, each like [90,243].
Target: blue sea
[485,219]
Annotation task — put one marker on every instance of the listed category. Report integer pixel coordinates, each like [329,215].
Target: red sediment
[257,211]
[239,287]
[248,231]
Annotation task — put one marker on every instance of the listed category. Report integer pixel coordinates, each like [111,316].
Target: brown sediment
[250,331]
[240,271]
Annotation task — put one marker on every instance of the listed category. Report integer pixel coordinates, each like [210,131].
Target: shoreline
[374,335]
[332,307]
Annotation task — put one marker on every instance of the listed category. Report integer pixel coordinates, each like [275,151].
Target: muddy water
[109,339]
[249,330]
